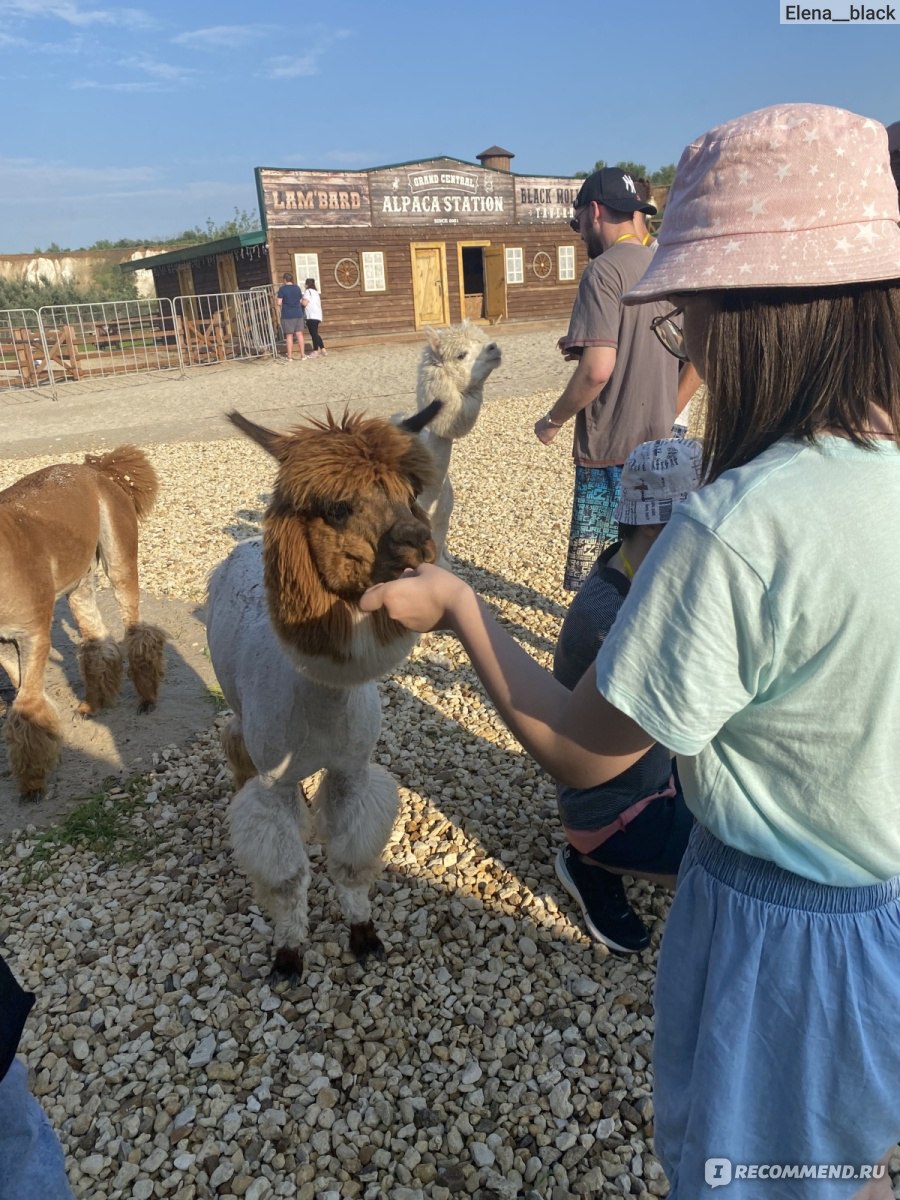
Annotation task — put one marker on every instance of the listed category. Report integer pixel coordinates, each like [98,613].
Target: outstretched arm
[578,737]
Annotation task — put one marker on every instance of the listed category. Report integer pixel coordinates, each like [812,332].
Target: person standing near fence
[290,309]
[312,310]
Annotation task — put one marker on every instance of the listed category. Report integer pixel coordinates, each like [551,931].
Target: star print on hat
[796,195]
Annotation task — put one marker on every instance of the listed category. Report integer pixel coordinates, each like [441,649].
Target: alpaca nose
[412,541]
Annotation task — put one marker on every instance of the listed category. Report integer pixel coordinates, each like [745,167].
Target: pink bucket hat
[792,196]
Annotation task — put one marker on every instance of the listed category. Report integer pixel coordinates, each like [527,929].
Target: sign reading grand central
[441,191]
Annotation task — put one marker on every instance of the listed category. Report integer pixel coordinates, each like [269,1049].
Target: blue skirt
[594,526]
[777,1029]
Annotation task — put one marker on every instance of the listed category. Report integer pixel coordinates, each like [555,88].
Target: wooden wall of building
[252,271]
[352,310]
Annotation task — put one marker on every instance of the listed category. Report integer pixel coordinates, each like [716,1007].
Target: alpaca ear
[417,422]
[274,443]
[434,340]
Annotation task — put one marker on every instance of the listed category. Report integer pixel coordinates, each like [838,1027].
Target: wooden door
[429,272]
[495,283]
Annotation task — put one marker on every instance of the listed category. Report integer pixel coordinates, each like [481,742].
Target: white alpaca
[453,369]
[297,661]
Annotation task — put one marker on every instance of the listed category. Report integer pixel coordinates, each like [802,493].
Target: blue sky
[142,121]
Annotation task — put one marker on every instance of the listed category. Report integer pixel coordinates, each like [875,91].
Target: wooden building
[425,243]
[232,264]
[399,247]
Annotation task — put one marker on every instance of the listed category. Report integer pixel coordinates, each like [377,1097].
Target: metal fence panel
[112,337]
[222,326]
[25,360]
[62,342]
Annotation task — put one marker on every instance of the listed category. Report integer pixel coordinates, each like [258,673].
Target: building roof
[186,253]
[495,152]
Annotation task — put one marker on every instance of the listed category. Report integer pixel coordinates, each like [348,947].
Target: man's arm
[578,737]
[590,377]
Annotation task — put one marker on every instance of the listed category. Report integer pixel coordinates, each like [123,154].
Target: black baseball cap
[615,189]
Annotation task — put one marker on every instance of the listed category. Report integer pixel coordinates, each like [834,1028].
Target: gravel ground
[495,1052]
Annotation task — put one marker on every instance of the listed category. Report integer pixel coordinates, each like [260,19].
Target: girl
[761,642]
[312,310]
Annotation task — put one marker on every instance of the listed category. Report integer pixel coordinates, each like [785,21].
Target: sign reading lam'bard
[292,198]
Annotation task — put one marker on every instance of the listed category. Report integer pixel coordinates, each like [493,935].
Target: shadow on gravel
[118,741]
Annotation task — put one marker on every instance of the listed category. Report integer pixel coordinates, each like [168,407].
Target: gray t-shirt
[638,402]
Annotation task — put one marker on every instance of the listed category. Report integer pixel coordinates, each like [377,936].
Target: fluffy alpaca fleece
[453,368]
[54,526]
[297,661]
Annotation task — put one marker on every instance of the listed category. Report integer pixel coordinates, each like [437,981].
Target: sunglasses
[575,223]
[670,333]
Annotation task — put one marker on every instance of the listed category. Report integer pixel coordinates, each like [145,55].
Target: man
[622,392]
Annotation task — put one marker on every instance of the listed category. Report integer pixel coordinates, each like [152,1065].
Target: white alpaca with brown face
[453,368]
[55,524]
[297,661]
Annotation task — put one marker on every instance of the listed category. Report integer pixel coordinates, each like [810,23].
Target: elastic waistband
[765,881]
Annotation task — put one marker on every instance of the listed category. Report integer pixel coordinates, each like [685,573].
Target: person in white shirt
[312,310]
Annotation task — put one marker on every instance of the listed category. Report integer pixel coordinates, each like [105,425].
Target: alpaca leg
[242,766]
[144,644]
[9,662]
[355,815]
[268,821]
[145,649]
[99,658]
[32,725]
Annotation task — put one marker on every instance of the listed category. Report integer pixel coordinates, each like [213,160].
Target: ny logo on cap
[629,183]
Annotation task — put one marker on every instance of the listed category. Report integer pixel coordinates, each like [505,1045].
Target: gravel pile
[494,1052]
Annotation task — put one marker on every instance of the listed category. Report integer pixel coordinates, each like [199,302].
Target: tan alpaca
[54,526]
[297,661]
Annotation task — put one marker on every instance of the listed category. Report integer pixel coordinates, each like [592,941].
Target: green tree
[663,176]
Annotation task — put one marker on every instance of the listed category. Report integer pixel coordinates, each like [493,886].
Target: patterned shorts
[594,526]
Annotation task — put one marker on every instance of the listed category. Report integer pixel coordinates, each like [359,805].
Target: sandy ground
[380,378]
[162,411]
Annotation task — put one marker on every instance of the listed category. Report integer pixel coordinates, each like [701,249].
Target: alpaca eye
[336,513]
[463,354]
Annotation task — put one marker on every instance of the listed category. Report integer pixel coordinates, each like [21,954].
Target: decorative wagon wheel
[347,272]
[542,264]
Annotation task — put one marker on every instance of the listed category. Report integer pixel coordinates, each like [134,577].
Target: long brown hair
[797,362]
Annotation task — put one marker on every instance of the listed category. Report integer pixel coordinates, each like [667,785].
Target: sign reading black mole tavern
[437,192]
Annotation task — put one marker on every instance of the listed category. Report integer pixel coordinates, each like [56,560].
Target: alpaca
[297,661]
[54,525]
[453,368]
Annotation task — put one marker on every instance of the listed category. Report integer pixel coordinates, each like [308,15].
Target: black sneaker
[601,894]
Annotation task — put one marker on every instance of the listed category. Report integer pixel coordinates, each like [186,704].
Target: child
[638,823]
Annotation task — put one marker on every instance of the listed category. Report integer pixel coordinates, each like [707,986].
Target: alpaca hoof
[32,795]
[146,706]
[365,942]
[288,965]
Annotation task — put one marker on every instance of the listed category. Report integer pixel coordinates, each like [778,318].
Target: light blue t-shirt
[761,642]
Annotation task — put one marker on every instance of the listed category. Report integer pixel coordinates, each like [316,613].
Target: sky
[141,122]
